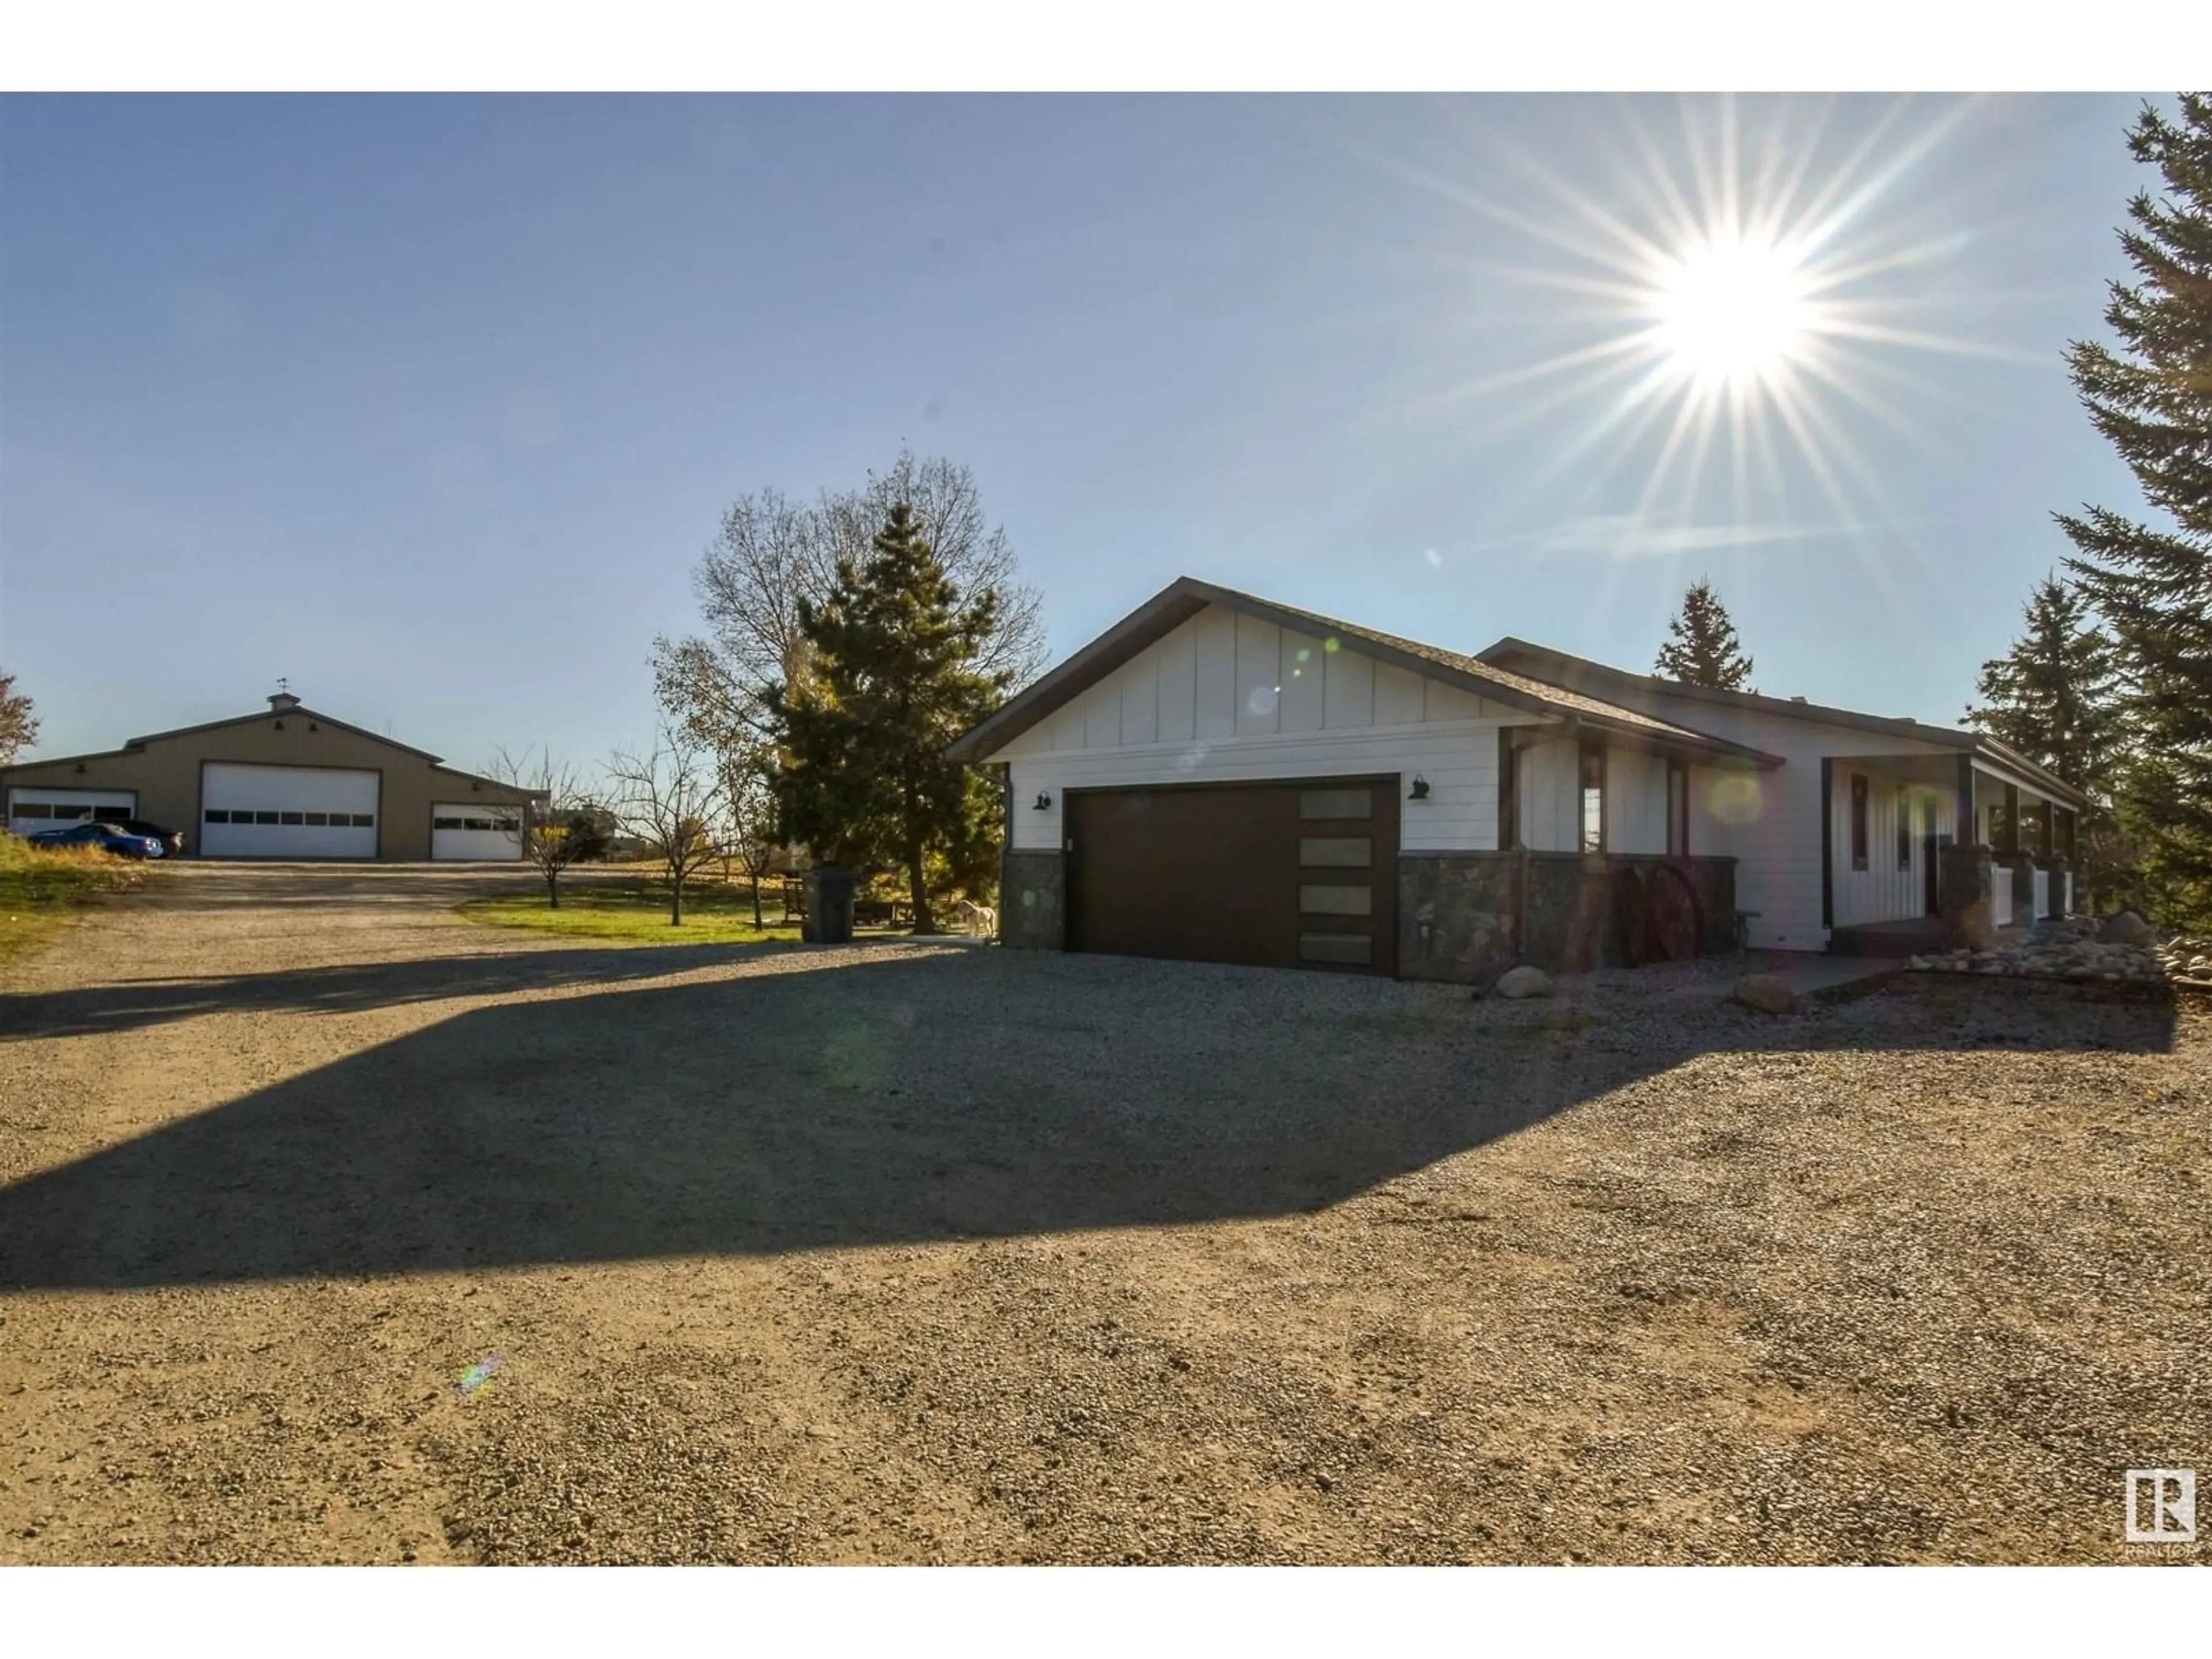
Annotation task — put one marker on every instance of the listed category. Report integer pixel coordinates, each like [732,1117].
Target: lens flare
[1735,798]
[479,1376]
[1721,310]
[1733,308]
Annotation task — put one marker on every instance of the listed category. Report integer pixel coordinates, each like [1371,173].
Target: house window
[1678,808]
[1858,821]
[1593,776]
[1904,830]
[445,823]
[1336,803]
[1509,790]
[216,814]
[362,820]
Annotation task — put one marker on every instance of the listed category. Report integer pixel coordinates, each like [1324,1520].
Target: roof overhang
[1542,662]
[1187,596]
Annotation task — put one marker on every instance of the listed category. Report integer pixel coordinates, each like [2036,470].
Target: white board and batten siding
[287,811]
[1549,777]
[30,811]
[1770,821]
[1889,888]
[1229,698]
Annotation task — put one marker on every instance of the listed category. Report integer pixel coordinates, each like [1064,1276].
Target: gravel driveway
[333,1228]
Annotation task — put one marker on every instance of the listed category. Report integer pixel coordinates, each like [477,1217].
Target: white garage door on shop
[459,830]
[286,813]
[30,811]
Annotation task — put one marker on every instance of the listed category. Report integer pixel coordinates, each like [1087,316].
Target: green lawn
[636,912]
[39,891]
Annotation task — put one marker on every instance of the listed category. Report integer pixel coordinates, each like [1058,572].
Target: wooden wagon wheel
[1671,916]
[1629,932]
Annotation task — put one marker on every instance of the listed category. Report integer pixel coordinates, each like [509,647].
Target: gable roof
[1545,663]
[137,746]
[1185,597]
[301,709]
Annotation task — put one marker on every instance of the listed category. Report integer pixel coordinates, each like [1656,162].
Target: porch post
[1964,882]
[1828,842]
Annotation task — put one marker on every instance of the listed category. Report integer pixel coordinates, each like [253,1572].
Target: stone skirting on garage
[1033,901]
[1461,916]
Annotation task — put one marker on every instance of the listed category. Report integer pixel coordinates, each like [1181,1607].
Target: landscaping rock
[2126,928]
[1767,993]
[1524,981]
[2071,949]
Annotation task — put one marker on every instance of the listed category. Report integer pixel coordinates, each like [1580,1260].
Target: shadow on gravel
[350,987]
[963,1093]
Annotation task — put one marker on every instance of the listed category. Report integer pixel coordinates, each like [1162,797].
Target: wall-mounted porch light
[1420,789]
[1043,802]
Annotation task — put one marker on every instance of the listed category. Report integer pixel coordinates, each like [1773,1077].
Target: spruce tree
[894,676]
[2052,696]
[1703,650]
[2152,400]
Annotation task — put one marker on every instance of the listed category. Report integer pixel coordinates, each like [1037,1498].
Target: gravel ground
[334,1229]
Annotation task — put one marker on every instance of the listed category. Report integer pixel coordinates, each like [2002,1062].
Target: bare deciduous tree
[749,783]
[948,513]
[19,726]
[675,800]
[556,830]
[770,552]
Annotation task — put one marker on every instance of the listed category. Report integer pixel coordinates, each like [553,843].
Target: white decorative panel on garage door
[460,831]
[286,813]
[30,811]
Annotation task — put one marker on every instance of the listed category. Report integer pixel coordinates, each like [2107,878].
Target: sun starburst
[1745,302]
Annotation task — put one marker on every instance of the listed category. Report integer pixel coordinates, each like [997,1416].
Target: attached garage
[288,812]
[1219,778]
[30,811]
[1296,874]
[460,831]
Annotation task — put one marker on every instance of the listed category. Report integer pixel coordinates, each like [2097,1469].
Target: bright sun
[1733,309]
[1720,308]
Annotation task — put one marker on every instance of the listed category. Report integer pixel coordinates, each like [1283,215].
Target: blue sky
[431,403]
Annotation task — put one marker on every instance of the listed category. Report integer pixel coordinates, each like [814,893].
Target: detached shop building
[1221,778]
[288,783]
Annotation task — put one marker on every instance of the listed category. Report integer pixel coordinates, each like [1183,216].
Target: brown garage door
[1279,875]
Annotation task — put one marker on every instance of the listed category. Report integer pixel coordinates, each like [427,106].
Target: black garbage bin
[829,907]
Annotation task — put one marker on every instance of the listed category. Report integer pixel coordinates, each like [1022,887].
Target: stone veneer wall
[1457,912]
[1963,894]
[1033,901]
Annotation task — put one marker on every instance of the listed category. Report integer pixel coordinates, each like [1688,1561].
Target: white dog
[978,918]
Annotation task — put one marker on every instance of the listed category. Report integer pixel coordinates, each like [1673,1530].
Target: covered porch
[1885,820]
[2032,837]
[1911,841]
